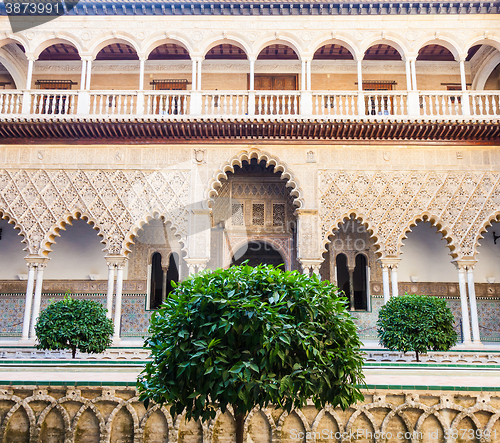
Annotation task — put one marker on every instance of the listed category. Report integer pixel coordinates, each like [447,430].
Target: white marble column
[29,301]
[303,76]
[198,73]
[83,75]
[463,81]
[308,75]
[413,73]
[394,280]
[29,76]
[109,295]
[463,304]
[38,298]
[360,75]
[142,61]
[385,282]
[193,75]
[473,305]
[252,75]
[89,73]
[408,74]
[118,302]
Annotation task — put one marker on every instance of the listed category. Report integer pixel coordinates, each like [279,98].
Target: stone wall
[94,415]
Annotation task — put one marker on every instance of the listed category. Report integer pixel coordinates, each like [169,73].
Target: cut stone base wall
[95,415]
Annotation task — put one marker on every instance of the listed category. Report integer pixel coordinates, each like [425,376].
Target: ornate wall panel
[117,202]
[389,203]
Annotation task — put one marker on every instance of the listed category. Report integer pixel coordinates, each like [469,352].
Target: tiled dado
[135,317]
[444,289]
[73,286]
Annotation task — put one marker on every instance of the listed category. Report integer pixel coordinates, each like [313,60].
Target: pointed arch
[435,221]
[67,219]
[269,418]
[361,218]
[168,218]
[6,215]
[327,410]
[247,155]
[488,221]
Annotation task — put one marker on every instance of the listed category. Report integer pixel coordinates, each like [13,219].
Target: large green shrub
[250,336]
[74,324]
[418,323]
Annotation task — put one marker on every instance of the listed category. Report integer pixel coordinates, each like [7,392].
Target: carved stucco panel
[116,202]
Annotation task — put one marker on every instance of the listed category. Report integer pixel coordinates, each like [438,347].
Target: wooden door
[270,105]
[167,104]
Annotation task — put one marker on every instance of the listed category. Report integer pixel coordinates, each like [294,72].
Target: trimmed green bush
[74,324]
[248,336]
[418,323]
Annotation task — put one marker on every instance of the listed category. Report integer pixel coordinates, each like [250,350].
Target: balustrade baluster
[481,98]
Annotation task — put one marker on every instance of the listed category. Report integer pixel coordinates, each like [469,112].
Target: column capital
[465,264]
[410,57]
[142,58]
[31,57]
[389,262]
[36,260]
[306,58]
[461,57]
[115,260]
[311,264]
[87,57]
[199,58]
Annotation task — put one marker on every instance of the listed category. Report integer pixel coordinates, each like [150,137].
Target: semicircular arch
[341,41]
[389,41]
[443,41]
[61,39]
[231,40]
[122,38]
[283,39]
[157,40]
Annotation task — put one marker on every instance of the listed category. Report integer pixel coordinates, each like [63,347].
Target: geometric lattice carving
[115,201]
[258,214]
[237,214]
[389,203]
[279,214]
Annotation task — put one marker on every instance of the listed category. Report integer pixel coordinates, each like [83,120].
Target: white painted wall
[12,261]
[425,255]
[77,253]
[488,257]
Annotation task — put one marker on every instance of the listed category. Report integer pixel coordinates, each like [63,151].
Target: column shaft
[141,74]
[303,76]
[351,289]
[408,75]
[29,77]
[193,76]
[82,77]
[199,75]
[89,73]
[394,281]
[385,281]
[252,75]
[38,299]
[109,295]
[360,76]
[308,75]
[462,75]
[29,300]
[413,74]
[473,306]
[118,302]
[463,305]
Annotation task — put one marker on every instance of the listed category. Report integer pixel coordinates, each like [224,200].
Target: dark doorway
[257,253]
[343,275]
[172,273]
[155,294]
[359,283]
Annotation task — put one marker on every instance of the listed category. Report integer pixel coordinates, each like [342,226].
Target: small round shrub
[418,323]
[74,324]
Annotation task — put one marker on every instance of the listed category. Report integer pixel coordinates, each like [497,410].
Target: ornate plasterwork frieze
[116,202]
[460,205]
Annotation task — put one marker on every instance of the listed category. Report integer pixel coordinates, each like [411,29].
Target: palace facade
[145,141]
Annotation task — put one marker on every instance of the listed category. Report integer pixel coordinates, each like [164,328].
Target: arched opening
[253,205]
[256,253]
[336,59]
[156,282]
[77,254]
[128,78]
[343,282]
[285,81]
[349,259]
[12,263]
[6,82]
[166,69]
[424,242]
[148,266]
[360,280]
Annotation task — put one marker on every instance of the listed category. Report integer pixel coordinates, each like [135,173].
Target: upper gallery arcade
[323,61]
